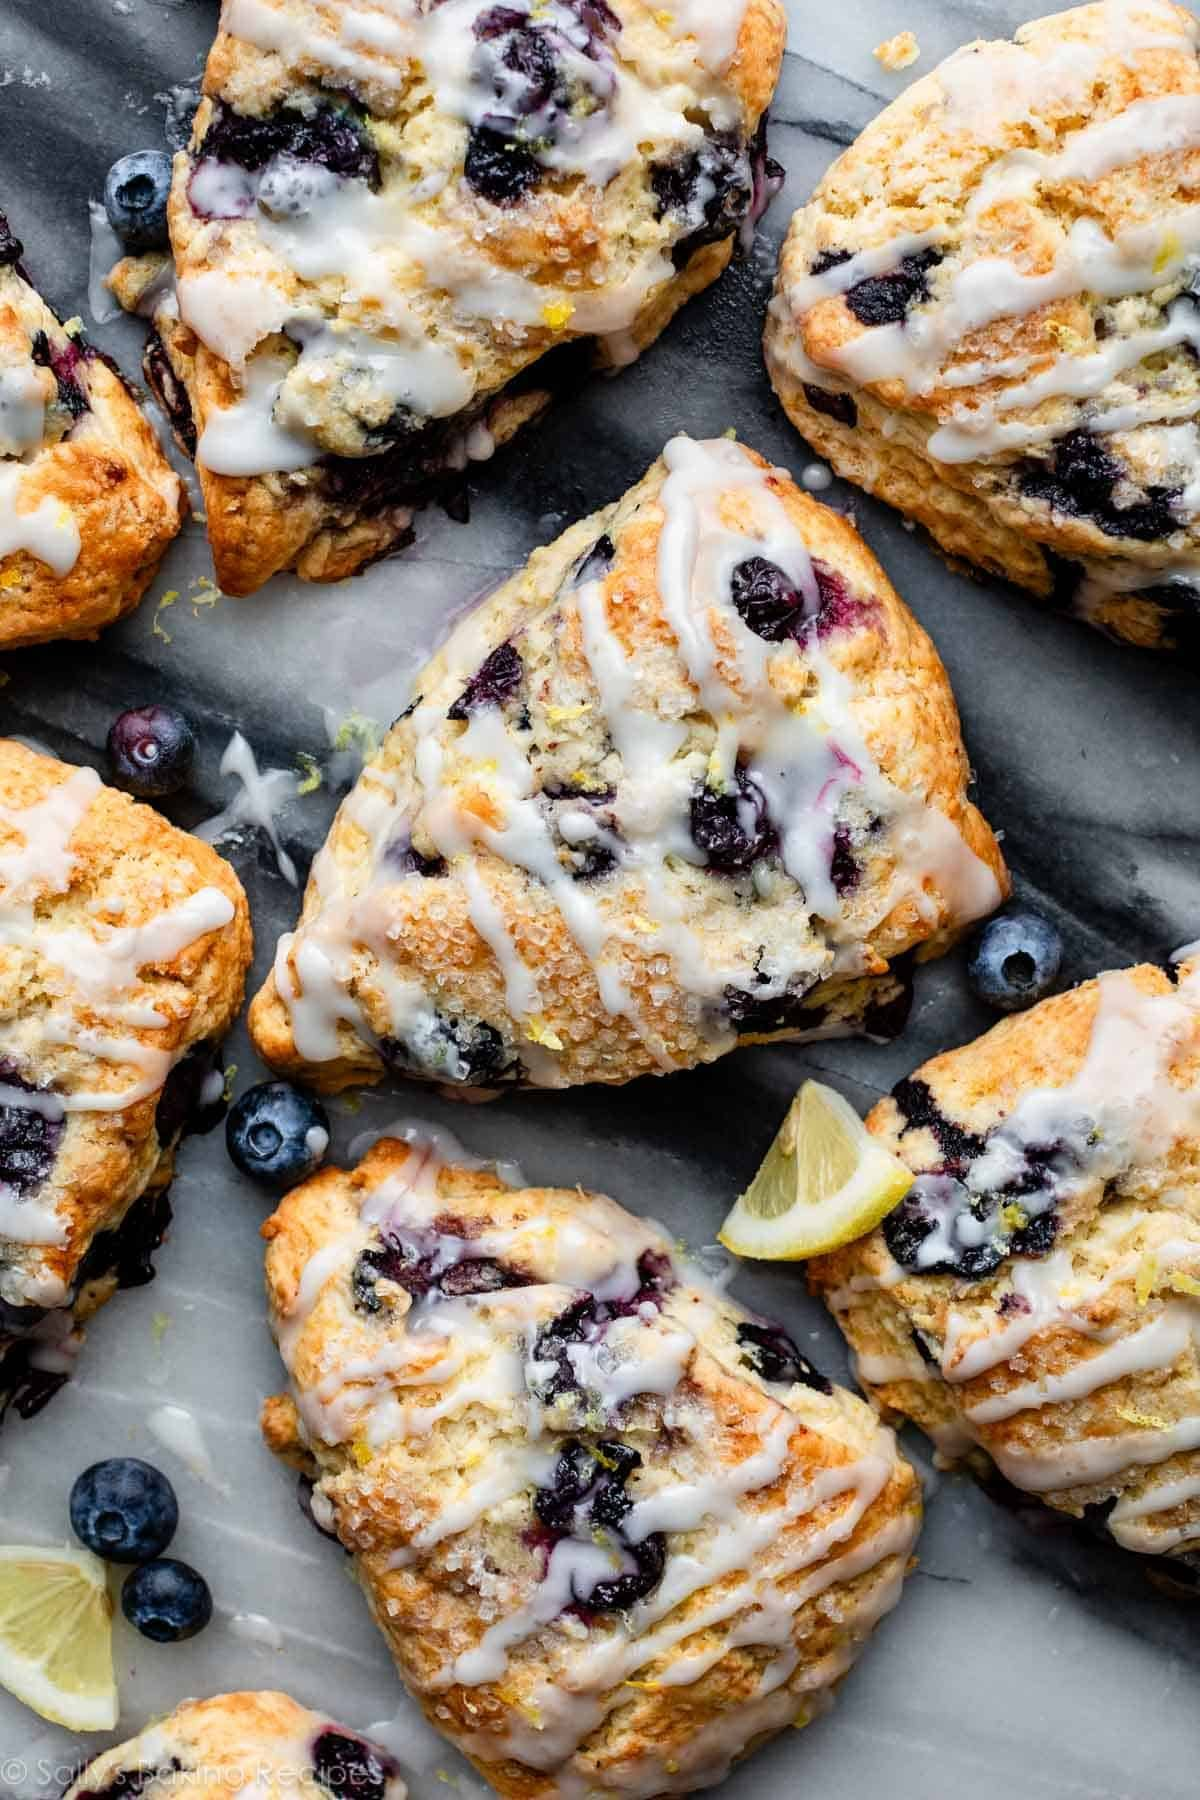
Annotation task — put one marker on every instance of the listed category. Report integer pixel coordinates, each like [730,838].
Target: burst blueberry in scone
[693,778]
[124,945]
[88,502]
[237,1744]
[987,313]
[1035,1297]
[388,217]
[615,1529]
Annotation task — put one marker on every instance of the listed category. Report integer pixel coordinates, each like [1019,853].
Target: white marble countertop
[1017,1663]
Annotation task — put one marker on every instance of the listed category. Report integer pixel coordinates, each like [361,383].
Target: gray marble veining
[1017,1663]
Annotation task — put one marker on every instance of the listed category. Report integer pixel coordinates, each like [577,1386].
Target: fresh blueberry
[136,192]
[1015,960]
[151,750]
[276,1134]
[124,1510]
[166,1600]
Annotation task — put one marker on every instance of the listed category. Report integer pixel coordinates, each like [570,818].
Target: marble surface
[1017,1663]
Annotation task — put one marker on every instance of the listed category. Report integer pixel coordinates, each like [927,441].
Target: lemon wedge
[56,1636]
[824,1182]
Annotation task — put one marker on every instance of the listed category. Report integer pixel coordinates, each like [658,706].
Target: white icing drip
[180,1432]
[714,26]
[260,797]
[47,531]
[1156,1346]
[43,861]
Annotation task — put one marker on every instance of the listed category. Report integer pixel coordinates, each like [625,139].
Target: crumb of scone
[899,52]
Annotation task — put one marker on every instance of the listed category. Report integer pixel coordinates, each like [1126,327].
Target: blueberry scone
[693,777]
[236,1745]
[124,945]
[989,313]
[88,502]
[1036,1297]
[615,1530]
[391,213]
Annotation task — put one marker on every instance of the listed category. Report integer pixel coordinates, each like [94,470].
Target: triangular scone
[391,213]
[987,313]
[88,501]
[1037,1295]
[124,945]
[693,777]
[615,1529]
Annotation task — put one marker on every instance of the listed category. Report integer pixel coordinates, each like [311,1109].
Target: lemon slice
[824,1182]
[56,1636]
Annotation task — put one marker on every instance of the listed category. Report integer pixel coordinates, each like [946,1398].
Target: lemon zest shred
[227,1090]
[310,773]
[558,313]
[1148,1421]
[362,1452]
[168,599]
[1183,1283]
[561,715]
[159,1326]
[1147,1278]
[647,1687]
[356,728]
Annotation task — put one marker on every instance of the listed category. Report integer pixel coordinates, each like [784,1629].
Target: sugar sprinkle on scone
[615,1529]
[987,313]
[235,1745]
[1037,1294]
[124,945]
[390,215]
[693,777]
[88,501]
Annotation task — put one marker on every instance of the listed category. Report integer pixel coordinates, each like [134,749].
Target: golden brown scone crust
[1109,1079]
[124,945]
[435,1427]
[386,961]
[1082,133]
[581,251]
[94,462]
[234,1744]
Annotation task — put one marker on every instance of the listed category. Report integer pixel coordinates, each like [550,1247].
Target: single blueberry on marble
[166,1600]
[124,1510]
[1015,960]
[151,750]
[136,191]
[277,1134]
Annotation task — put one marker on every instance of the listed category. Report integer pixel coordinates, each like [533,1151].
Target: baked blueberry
[276,1134]
[1015,960]
[349,1769]
[841,407]
[151,750]
[886,299]
[495,681]
[136,191]
[709,191]
[166,1600]
[770,1352]
[29,1133]
[767,601]
[11,247]
[65,362]
[498,168]
[732,830]
[124,1510]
